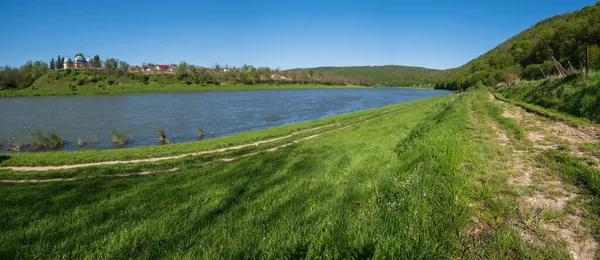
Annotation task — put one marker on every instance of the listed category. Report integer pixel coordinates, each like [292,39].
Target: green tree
[111,64]
[79,54]
[123,66]
[52,64]
[182,69]
[97,63]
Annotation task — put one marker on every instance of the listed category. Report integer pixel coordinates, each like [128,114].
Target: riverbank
[445,177]
[152,88]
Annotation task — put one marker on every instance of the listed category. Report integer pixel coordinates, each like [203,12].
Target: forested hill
[529,55]
[390,75]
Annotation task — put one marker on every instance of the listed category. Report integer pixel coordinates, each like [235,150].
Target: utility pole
[587,58]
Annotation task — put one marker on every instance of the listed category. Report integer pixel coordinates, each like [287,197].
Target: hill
[530,54]
[389,75]
[36,78]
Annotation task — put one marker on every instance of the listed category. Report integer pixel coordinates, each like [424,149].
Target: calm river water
[181,114]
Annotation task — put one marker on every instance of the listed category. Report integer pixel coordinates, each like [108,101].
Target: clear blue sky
[436,34]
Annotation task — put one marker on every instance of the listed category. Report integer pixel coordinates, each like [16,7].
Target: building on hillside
[67,63]
[77,63]
[280,77]
[163,67]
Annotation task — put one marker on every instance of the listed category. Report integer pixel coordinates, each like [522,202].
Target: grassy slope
[564,37]
[391,75]
[63,90]
[348,194]
[576,96]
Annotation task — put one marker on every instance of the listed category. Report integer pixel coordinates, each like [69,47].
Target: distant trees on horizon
[27,74]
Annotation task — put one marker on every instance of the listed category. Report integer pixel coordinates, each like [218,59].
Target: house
[279,77]
[162,67]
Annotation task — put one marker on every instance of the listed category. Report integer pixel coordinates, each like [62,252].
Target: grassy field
[402,181]
[143,88]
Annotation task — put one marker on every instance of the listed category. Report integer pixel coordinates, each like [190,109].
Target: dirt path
[543,193]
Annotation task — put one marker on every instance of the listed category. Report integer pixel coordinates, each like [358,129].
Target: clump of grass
[39,141]
[200,132]
[15,144]
[168,141]
[94,139]
[161,134]
[80,142]
[119,138]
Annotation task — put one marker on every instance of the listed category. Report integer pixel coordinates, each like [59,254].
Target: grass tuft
[119,138]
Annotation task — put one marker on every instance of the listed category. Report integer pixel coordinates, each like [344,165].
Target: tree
[97,63]
[52,65]
[182,69]
[123,66]
[79,54]
[111,64]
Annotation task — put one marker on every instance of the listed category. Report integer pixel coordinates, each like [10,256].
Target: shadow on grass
[195,212]
[4,158]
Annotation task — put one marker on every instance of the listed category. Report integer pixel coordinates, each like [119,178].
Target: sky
[437,34]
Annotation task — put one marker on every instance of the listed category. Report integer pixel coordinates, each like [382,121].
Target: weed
[119,138]
[39,141]
[15,144]
[161,134]
[80,142]
[200,132]
[94,139]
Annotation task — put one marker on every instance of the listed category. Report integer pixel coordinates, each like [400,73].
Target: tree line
[114,70]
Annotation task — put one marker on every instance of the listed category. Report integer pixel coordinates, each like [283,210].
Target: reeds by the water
[39,141]
[119,138]
[161,134]
[80,142]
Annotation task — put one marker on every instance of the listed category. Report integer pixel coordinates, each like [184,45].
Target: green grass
[405,184]
[545,112]
[575,171]
[591,148]
[578,97]
[508,124]
[346,194]
[91,89]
